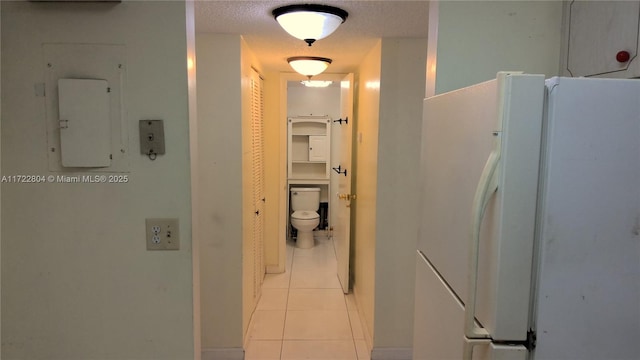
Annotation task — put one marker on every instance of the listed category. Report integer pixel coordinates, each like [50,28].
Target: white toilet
[305,203]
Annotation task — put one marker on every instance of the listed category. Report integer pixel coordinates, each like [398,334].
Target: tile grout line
[346,304]
[286,305]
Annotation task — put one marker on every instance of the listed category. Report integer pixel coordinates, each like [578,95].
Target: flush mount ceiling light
[316,83]
[309,65]
[309,22]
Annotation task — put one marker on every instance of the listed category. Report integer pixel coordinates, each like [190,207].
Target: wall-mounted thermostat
[152,138]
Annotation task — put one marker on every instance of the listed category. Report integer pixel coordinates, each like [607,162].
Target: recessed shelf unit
[309,147]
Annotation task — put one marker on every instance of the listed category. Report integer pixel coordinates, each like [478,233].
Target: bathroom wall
[77,280]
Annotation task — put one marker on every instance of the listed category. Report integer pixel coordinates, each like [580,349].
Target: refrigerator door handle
[487,186]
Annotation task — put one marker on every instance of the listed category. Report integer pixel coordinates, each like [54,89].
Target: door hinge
[531,340]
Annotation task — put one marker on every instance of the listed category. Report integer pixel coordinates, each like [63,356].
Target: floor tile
[317,325]
[290,249]
[362,349]
[318,350]
[273,299]
[277,281]
[320,249]
[319,322]
[267,325]
[263,350]
[314,280]
[316,299]
[327,263]
[356,325]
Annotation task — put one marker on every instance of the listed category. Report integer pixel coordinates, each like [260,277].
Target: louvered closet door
[257,110]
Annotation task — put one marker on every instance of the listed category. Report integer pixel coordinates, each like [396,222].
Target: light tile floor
[303,313]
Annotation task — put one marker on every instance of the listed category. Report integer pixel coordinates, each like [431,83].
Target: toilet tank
[305,199]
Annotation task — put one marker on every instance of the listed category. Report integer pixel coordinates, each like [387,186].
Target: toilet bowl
[305,221]
[304,203]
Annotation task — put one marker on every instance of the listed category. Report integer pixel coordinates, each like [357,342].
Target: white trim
[363,324]
[194,171]
[223,354]
[391,354]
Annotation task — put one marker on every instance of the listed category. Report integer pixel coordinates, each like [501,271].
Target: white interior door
[343,195]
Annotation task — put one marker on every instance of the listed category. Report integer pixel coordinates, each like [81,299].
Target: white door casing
[343,196]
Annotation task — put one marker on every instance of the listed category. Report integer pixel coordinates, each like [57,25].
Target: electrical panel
[85,128]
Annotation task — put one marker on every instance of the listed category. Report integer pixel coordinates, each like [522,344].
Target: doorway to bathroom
[331,109]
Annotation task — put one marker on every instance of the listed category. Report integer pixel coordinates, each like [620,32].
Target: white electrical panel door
[85,127]
[317,148]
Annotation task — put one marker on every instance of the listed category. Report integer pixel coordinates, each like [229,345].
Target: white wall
[0,184]
[77,280]
[220,215]
[366,154]
[402,77]
[390,90]
[476,39]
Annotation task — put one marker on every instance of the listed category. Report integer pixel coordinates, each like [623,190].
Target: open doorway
[304,306]
[335,102]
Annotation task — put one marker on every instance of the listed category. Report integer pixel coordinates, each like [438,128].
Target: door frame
[285,77]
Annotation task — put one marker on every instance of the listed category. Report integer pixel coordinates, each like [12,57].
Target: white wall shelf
[309,145]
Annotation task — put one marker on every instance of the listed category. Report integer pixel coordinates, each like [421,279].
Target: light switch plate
[163,234]
[151,137]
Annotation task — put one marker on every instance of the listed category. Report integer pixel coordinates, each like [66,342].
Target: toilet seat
[305,215]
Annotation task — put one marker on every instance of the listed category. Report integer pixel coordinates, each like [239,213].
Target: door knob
[347,196]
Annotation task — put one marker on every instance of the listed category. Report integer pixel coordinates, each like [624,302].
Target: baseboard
[391,354]
[273,269]
[223,354]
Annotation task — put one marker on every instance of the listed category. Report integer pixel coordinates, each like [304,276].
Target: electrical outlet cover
[162,234]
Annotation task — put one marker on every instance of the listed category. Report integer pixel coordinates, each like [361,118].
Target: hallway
[303,313]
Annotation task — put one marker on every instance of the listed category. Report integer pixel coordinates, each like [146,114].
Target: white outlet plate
[162,234]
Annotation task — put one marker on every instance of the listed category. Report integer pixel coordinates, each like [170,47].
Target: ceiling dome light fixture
[309,65]
[309,22]
[316,83]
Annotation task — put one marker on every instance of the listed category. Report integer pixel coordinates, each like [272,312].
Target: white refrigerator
[529,245]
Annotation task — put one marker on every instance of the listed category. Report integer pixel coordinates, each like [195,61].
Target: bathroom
[312,150]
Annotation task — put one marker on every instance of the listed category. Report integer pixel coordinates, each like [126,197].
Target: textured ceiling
[368,21]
